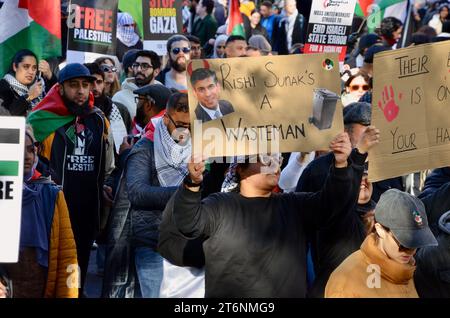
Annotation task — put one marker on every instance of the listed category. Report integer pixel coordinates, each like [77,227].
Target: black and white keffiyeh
[171,159]
[21,89]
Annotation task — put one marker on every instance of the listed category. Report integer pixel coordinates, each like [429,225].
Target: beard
[143,81]
[177,66]
[104,103]
[75,109]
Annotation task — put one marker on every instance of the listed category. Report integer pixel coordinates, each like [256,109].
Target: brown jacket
[356,277]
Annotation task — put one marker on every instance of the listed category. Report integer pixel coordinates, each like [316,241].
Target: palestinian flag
[49,115]
[235,23]
[383,8]
[27,24]
[12,137]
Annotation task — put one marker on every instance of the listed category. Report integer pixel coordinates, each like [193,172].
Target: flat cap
[358,113]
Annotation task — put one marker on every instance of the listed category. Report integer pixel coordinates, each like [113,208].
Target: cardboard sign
[329,26]
[411,99]
[266,104]
[162,19]
[92,26]
[12,139]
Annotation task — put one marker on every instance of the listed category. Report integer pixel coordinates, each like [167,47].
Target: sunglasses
[31,148]
[143,66]
[401,248]
[177,126]
[108,68]
[357,87]
[177,50]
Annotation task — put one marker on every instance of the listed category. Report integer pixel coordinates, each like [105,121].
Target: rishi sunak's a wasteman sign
[411,100]
[12,136]
[92,26]
[264,104]
[162,19]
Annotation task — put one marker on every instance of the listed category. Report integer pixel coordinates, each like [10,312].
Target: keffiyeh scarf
[171,159]
[21,89]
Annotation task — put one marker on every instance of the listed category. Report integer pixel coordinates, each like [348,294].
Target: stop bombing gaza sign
[12,138]
[162,19]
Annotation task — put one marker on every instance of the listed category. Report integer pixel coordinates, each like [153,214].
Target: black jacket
[434,181]
[257,246]
[432,275]
[279,35]
[315,173]
[16,105]
[342,237]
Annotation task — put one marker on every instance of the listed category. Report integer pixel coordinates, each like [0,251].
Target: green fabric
[36,38]
[205,29]
[134,7]
[44,123]
[238,30]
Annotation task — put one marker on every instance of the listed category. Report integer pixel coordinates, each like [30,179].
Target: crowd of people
[108,159]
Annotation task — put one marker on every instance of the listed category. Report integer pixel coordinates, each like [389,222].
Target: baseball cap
[406,218]
[158,92]
[74,70]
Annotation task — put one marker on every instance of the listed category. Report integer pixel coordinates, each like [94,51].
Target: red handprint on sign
[390,108]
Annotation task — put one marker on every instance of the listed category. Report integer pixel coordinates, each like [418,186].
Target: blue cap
[74,70]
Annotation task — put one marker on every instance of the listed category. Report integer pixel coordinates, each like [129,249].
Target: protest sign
[92,26]
[162,19]
[411,97]
[266,104]
[12,138]
[330,24]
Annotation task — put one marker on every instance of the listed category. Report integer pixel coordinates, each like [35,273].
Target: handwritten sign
[162,19]
[12,138]
[244,106]
[411,97]
[330,24]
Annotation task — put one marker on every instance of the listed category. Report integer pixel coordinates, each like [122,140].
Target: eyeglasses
[31,148]
[108,68]
[221,46]
[177,50]
[137,99]
[357,87]
[143,66]
[177,126]
[270,159]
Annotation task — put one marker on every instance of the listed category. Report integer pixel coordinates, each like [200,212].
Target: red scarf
[149,130]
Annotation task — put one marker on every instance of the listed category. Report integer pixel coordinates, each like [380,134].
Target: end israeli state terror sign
[92,26]
[12,138]
[162,19]
[330,24]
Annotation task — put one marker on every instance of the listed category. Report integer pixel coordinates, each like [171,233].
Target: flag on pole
[377,10]
[26,24]
[235,23]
